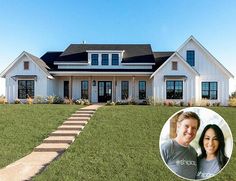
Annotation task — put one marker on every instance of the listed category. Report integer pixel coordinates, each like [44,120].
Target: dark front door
[104,91]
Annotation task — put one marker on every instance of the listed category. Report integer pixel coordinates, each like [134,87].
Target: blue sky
[39,26]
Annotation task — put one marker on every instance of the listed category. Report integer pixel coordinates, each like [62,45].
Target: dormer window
[26,65]
[105,60]
[115,59]
[191,57]
[94,59]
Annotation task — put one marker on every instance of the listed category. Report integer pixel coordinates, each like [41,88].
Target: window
[84,89]
[142,89]
[25,89]
[174,89]
[115,59]
[209,90]
[124,90]
[191,57]
[26,65]
[174,66]
[105,59]
[94,59]
[66,89]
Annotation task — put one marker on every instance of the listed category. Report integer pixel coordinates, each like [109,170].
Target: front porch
[103,88]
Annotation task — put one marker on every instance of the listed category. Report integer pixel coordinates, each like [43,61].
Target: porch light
[94,82]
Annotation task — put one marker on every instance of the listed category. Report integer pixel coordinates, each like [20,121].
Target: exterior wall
[159,83]
[209,71]
[40,85]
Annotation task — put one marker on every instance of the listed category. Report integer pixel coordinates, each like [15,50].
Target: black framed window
[94,59]
[66,89]
[105,60]
[84,89]
[25,89]
[174,89]
[209,90]
[124,90]
[142,89]
[191,57]
[115,59]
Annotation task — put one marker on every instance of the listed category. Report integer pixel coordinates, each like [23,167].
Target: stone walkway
[51,148]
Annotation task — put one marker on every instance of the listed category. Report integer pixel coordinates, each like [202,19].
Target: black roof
[50,57]
[160,58]
[133,53]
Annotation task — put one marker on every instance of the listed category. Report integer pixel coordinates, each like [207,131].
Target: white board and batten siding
[210,71]
[159,87]
[40,84]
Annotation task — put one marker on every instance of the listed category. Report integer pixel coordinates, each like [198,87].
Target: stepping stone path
[51,148]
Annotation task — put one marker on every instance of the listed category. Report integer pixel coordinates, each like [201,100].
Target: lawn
[121,143]
[22,127]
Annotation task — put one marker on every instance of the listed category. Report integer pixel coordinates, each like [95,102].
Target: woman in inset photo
[212,158]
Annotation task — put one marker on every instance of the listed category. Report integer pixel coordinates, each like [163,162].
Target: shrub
[216,104]
[232,102]
[39,100]
[182,103]
[57,100]
[3,100]
[110,103]
[67,101]
[29,100]
[17,101]
[49,99]
[203,102]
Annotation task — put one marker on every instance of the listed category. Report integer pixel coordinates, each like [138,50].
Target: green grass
[121,143]
[23,127]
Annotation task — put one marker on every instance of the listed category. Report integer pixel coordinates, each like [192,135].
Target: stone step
[51,147]
[59,139]
[69,127]
[81,115]
[65,133]
[78,118]
[75,122]
[85,112]
[86,109]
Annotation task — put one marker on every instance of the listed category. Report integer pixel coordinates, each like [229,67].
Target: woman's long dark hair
[220,153]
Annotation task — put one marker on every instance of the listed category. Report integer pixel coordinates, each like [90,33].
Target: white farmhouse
[116,72]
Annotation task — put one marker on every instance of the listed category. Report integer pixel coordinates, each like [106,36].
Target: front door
[104,91]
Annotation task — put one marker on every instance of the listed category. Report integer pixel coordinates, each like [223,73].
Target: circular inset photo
[196,143]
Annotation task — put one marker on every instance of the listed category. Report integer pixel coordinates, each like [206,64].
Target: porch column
[133,87]
[90,89]
[70,87]
[114,84]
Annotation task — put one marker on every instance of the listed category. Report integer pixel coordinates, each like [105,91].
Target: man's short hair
[189,115]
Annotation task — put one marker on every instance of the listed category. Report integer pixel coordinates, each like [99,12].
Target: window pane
[174,89]
[25,89]
[190,57]
[142,89]
[209,90]
[115,59]
[124,90]
[84,89]
[105,59]
[94,58]
[66,89]
[101,88]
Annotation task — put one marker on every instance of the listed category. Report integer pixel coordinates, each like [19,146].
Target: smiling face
[210,142]
[186,131]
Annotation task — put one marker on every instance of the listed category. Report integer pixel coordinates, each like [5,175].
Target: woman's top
[207,168]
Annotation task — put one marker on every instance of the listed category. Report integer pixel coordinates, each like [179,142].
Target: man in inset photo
[178,154]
